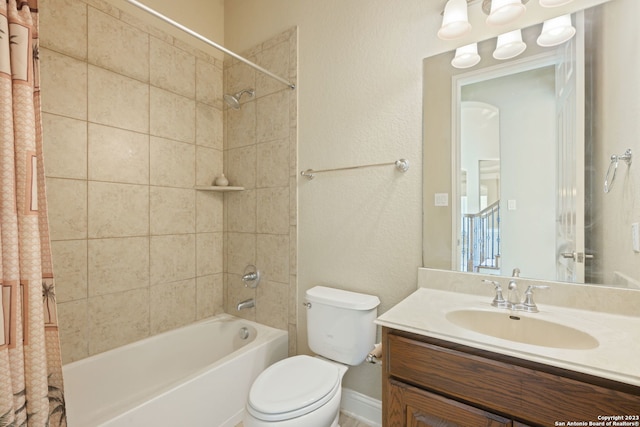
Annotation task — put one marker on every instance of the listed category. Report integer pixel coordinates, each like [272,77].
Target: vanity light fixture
[556,31]
[466,56]
[455,24]
[509,45]
[455,21]
[505,11]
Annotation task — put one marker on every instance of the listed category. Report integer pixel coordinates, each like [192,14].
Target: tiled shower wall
[261,155]
[133,120]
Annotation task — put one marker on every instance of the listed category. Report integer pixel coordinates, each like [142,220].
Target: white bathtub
[198,375]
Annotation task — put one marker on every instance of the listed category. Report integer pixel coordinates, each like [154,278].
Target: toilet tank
[340,324]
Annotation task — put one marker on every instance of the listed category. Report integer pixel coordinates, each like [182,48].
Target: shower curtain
[31,391]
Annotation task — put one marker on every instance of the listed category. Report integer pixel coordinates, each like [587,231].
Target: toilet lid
[293,387]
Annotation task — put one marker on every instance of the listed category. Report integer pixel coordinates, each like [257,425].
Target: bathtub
[198,375]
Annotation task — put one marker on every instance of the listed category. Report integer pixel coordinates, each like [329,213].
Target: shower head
[234,100]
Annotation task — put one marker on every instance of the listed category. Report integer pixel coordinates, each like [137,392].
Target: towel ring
[608,185]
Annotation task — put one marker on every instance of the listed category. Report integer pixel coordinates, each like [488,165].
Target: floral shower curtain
[30,363]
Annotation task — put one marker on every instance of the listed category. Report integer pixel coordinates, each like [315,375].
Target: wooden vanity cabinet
[436,383]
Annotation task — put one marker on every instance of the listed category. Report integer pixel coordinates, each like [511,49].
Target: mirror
[522,157]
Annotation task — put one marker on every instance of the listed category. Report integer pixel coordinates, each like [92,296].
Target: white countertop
[616,357]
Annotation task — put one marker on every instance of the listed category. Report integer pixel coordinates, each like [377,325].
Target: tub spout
[249,303]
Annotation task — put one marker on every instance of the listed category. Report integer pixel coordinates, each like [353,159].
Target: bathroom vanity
[437,373]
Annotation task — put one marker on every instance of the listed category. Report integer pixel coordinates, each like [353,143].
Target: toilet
[305,391]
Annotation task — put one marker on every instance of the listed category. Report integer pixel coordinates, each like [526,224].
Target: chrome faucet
[513,297]
[249,303]
[513,301]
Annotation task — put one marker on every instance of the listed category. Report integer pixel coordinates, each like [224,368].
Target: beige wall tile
[209,251]
[172,305]
[64,85]
[119,101]
[67,208]
[118,319]
[73,321]
[70,15]
[293,299]
[209,211]
[172,210]
[172,116]
[272,117]
[209,126]
[173,258]
[240,166]
[97,126]
[117,265]
[65,146]
[293,336]
[272,257]
[293,250]
[118,210]
[261,154]
[208,83]
[293,200]
[118,155]
[272,210]
[293,152]
[241,211]
[241,126]
[273,164]
[172,163]
[273,307]
[241,251]
[237,292]
[172,69]
[239,77]
[209,295]
[276,60]
[118,46]
[208,165]
[70,267]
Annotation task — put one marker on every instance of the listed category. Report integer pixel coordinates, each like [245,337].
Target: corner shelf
[217,188]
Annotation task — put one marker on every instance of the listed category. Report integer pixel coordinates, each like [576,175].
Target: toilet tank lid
[342,299]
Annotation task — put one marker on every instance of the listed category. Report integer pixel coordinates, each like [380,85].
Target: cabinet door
[423,409]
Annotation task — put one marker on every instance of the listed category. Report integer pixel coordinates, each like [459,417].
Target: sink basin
[527,330]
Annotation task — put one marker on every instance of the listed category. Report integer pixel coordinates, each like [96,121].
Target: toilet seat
[293,387]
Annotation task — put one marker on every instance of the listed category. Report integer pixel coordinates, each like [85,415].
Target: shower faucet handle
[251,276]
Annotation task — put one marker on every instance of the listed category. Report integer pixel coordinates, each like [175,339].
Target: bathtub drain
[244,333]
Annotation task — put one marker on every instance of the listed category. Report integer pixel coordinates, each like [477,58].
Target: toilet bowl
[296,392]
[305,391]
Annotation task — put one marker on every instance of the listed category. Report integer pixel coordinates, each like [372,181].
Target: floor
[345,421]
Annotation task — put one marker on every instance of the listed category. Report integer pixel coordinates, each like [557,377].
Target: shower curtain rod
[209,42]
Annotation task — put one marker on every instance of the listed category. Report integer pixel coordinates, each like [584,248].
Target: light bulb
[556,31]
[466,56]
[505,11]
[509,45]
[455,22]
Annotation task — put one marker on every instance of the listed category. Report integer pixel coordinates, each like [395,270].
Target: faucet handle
[498,300]
[528,305]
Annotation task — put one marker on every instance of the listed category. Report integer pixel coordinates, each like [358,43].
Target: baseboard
[361,407]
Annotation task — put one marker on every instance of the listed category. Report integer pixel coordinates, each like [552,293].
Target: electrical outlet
[441,199]
[635,236]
